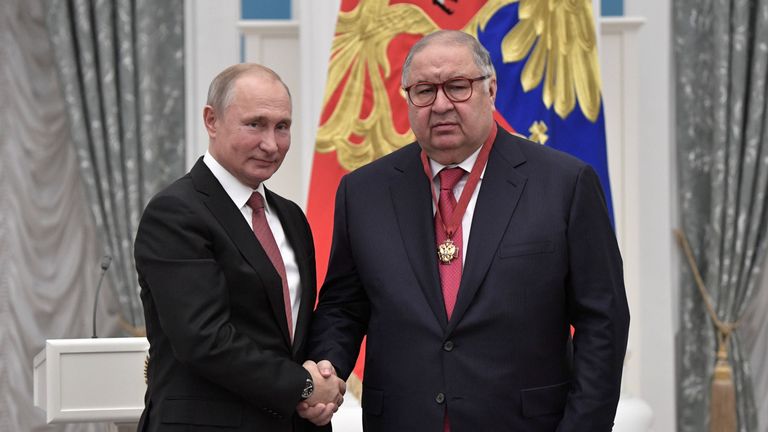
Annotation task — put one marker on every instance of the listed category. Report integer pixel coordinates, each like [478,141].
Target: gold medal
[447,251]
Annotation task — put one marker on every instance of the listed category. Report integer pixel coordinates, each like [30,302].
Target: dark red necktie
[267,240]
[450,273]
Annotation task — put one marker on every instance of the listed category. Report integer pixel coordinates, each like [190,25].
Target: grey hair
[220,92]
[479,53]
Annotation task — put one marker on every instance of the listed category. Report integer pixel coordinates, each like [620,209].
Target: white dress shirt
[240,193]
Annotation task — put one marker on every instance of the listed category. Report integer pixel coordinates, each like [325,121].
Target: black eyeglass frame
[440,86]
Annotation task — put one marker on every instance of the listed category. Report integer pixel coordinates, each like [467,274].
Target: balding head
[220,91]
[480,55]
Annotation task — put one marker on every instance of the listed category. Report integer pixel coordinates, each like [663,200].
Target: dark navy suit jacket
[542,256]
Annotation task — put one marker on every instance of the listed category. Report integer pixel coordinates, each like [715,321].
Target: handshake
[327,396]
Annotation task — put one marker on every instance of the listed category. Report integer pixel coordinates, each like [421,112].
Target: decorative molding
[209,47]
[269,27]
[611,25]
[275,44]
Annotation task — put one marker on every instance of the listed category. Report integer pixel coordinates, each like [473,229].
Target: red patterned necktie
[267,240]
[450,273]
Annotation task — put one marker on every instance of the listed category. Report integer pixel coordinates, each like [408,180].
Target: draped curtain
[756,338]
[49,246]
[96,155]
[721,59]
[121,66]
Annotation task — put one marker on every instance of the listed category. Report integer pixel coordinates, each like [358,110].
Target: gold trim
[146,369]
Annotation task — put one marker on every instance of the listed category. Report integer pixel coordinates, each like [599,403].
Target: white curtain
[49,250]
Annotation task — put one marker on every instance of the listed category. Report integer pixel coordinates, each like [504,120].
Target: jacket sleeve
[341,317]
[597,309]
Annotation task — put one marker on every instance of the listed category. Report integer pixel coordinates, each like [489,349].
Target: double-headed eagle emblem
[557,37]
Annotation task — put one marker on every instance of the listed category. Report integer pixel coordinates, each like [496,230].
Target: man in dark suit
[227,277]
[465,258]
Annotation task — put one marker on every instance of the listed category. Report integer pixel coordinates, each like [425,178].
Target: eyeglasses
[457,89]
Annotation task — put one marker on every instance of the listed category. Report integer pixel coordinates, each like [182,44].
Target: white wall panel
[212,43]
[275,44]
[618,59]
[654,197]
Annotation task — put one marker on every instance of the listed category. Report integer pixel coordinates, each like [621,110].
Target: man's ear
[492,88]
[209,120]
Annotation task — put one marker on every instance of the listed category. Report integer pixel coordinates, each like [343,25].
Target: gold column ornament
[722,403]
[146,369]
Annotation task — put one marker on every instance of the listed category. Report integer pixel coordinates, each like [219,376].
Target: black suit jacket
[542,256]
[220,353]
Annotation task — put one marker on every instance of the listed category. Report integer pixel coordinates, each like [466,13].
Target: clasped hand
[328,394]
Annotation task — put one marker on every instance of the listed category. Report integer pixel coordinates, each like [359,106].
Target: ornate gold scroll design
[560,36]
[359,53]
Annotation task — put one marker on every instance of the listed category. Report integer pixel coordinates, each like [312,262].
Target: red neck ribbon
[474,177]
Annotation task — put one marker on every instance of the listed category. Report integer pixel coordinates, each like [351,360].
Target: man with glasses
[466,257]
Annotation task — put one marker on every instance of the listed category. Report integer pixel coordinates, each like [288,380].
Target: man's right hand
[327,396]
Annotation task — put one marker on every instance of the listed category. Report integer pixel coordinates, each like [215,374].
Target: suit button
[448,346]
[440,398]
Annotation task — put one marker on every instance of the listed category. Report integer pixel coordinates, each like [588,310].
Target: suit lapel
[231,220]
[412,201]
[499,193]
[292,226]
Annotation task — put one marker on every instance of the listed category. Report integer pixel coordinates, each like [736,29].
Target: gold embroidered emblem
[538,132]
[359,55]
[560,36]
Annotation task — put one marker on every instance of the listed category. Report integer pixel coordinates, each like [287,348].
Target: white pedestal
[91,380]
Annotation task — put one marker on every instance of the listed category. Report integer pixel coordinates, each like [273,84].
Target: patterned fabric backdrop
[722,141]
[121,65]
[49,246]
[132,119]
[756,338]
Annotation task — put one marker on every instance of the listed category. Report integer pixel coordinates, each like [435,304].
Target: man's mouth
[443,126]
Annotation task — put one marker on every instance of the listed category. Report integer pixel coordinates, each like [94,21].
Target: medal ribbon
[474,177]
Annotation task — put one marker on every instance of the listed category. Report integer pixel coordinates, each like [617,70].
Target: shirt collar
[237,191]
[466,164]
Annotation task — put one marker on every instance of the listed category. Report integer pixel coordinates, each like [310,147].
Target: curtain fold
[721,60]
[121,66]
[756,338]
[49,246]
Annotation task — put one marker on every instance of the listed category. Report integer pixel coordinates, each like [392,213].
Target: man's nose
[268,142]
[442,103]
